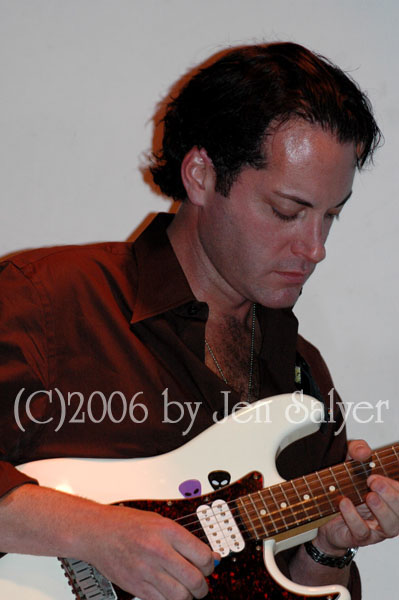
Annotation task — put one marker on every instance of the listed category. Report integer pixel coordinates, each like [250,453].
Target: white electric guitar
[223,486]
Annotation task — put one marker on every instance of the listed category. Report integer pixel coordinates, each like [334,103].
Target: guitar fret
[341,476]
[278,508]
[258,517]
[316,504]
[301,502]
[325,492]
[287,501]
[331,470]
[268,511]
[377,457]
[316,498]
[364,467]
[354,484]
[395,466]
[392,466]
[332,490]
[248,517]
[314,484]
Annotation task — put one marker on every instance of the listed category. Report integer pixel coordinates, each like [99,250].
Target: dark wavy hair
[228,106]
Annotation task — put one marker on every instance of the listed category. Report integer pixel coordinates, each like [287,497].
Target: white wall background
[79,80]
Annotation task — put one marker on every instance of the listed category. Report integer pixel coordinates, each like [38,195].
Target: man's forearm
[141,551]
[37,520]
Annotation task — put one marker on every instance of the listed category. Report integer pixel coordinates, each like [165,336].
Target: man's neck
[205,281]
[232,333]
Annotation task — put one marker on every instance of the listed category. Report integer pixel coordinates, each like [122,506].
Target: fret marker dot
[306,497]
[332,488]
[262,512]
[283,505]
[372,465]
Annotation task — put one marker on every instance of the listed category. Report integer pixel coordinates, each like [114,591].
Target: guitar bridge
[86,582]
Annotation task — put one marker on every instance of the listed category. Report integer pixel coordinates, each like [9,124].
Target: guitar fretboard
[291,504]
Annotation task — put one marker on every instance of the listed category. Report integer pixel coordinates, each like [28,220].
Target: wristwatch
[338,562]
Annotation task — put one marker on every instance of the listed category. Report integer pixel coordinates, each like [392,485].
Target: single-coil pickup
[220,528]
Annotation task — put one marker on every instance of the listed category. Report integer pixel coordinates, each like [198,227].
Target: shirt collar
[163,286]
[161,283]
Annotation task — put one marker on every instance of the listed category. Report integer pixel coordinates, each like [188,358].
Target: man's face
[265,239]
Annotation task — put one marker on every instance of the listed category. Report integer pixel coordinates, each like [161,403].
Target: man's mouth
[294,277]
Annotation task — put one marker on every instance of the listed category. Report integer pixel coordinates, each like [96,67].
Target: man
[262,147]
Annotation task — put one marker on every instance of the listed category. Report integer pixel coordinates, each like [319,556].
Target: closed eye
[288,218]
[282,216]
[332,216]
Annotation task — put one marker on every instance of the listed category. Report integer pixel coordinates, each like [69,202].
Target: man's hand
[367,524]
[150,556]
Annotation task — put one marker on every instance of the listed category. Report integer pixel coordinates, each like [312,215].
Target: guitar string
[255,513]
[280,524]
[259,531]
[313,475]
[361,470]
[285,514]
[262,532]
[247,535]
[288,511]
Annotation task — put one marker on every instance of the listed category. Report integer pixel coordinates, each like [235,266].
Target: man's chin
[282,299]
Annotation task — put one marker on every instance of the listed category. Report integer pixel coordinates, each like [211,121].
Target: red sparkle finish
[238,576]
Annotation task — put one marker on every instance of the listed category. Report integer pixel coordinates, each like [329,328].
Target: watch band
[338,562]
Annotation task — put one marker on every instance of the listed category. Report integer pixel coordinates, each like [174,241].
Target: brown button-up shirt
[82,324]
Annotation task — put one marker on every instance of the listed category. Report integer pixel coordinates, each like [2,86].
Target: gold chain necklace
[251,356]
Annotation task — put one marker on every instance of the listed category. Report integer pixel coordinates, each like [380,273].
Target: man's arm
[142,552]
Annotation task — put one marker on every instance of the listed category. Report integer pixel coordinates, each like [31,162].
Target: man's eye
[283,217]
[332,216]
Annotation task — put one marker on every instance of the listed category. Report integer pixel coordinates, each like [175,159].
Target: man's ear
[198,175]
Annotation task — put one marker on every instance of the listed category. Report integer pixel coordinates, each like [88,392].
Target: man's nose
[310,244]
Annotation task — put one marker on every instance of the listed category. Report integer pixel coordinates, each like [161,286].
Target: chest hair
[230,342]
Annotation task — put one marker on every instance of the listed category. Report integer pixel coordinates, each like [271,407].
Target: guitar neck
[283,508]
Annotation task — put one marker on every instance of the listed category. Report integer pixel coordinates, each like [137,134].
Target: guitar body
[241,449]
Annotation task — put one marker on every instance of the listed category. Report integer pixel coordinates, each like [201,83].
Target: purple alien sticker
[190,488]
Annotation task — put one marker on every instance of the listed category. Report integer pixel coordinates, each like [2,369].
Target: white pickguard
[245,442]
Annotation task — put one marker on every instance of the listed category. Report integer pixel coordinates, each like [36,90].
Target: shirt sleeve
[23,370]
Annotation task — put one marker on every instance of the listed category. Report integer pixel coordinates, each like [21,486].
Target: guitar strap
[306,383]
